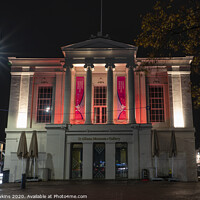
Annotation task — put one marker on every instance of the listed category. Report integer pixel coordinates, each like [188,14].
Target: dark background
[39,29]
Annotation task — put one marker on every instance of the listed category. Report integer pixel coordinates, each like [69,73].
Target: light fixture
[85,67]
[47,109]
[106,67]
[92,67]
[113,67]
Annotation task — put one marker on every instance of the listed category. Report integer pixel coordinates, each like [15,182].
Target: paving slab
[100,190]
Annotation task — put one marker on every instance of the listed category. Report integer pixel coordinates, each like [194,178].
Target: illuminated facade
[94,111]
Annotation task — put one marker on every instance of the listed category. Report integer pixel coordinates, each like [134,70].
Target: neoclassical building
[95,109]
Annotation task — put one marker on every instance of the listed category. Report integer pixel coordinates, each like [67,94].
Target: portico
[107,53]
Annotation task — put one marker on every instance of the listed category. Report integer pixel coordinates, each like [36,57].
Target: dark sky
[39,29]
[32,29]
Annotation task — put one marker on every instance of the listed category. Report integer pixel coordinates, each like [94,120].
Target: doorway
[76,161]
[99,161]
[121,160]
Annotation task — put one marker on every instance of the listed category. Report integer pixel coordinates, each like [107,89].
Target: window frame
[164,101]
[99,106]
[51,109]
[123,143]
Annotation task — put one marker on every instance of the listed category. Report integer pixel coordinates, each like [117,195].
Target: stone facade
[56,138]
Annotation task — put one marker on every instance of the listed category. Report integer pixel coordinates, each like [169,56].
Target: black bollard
[23,182]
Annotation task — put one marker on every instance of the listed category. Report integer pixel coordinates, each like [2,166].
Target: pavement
[103,190]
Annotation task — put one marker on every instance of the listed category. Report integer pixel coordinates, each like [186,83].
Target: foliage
[172,28]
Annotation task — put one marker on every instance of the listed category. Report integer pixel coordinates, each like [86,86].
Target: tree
[173,28]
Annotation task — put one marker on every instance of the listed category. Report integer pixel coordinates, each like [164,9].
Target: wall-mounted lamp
[92,67]
[85,67]
[106,67]
[113,67]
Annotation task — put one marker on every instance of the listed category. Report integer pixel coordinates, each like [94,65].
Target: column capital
[68,63]
[110,66]
[89,67]
[131,63]
[65,66]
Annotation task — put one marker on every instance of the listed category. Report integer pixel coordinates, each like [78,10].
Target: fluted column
[88,96]
[131,95]
[67,96]
[110,95]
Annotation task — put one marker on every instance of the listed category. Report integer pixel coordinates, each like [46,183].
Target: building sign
[79,102]
[98,138]
[121,98]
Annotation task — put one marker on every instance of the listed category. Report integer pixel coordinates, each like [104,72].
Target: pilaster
[67,95]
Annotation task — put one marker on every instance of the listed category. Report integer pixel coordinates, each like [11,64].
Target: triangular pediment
[99,43]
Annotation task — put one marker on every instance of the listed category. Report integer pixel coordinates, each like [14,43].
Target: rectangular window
[44,104]
[100,105]
[156,102]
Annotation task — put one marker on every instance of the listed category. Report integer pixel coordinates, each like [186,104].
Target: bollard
[23,182]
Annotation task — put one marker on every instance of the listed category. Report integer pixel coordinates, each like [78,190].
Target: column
[110,95]
[88,96]
[55,150]
[110,161]
[23,101]
[58,98]
[176,92]
[131,94]
[67,96]
[87,161]
[67,160]
[186,99]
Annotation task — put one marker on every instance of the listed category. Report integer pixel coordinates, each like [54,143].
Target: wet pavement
[100,190]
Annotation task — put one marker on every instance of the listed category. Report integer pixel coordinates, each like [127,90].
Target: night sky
[31,29]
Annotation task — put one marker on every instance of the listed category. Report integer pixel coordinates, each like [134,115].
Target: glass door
[76,160]
[99,160]
[121,160]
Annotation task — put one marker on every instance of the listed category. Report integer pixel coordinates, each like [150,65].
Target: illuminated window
[156,100]
[100,104]
[44,104]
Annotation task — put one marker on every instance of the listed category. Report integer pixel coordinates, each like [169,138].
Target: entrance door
[76,160]
[99,160]
[121,160]
[100,105]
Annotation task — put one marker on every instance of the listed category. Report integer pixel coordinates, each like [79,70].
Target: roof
[99,43]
